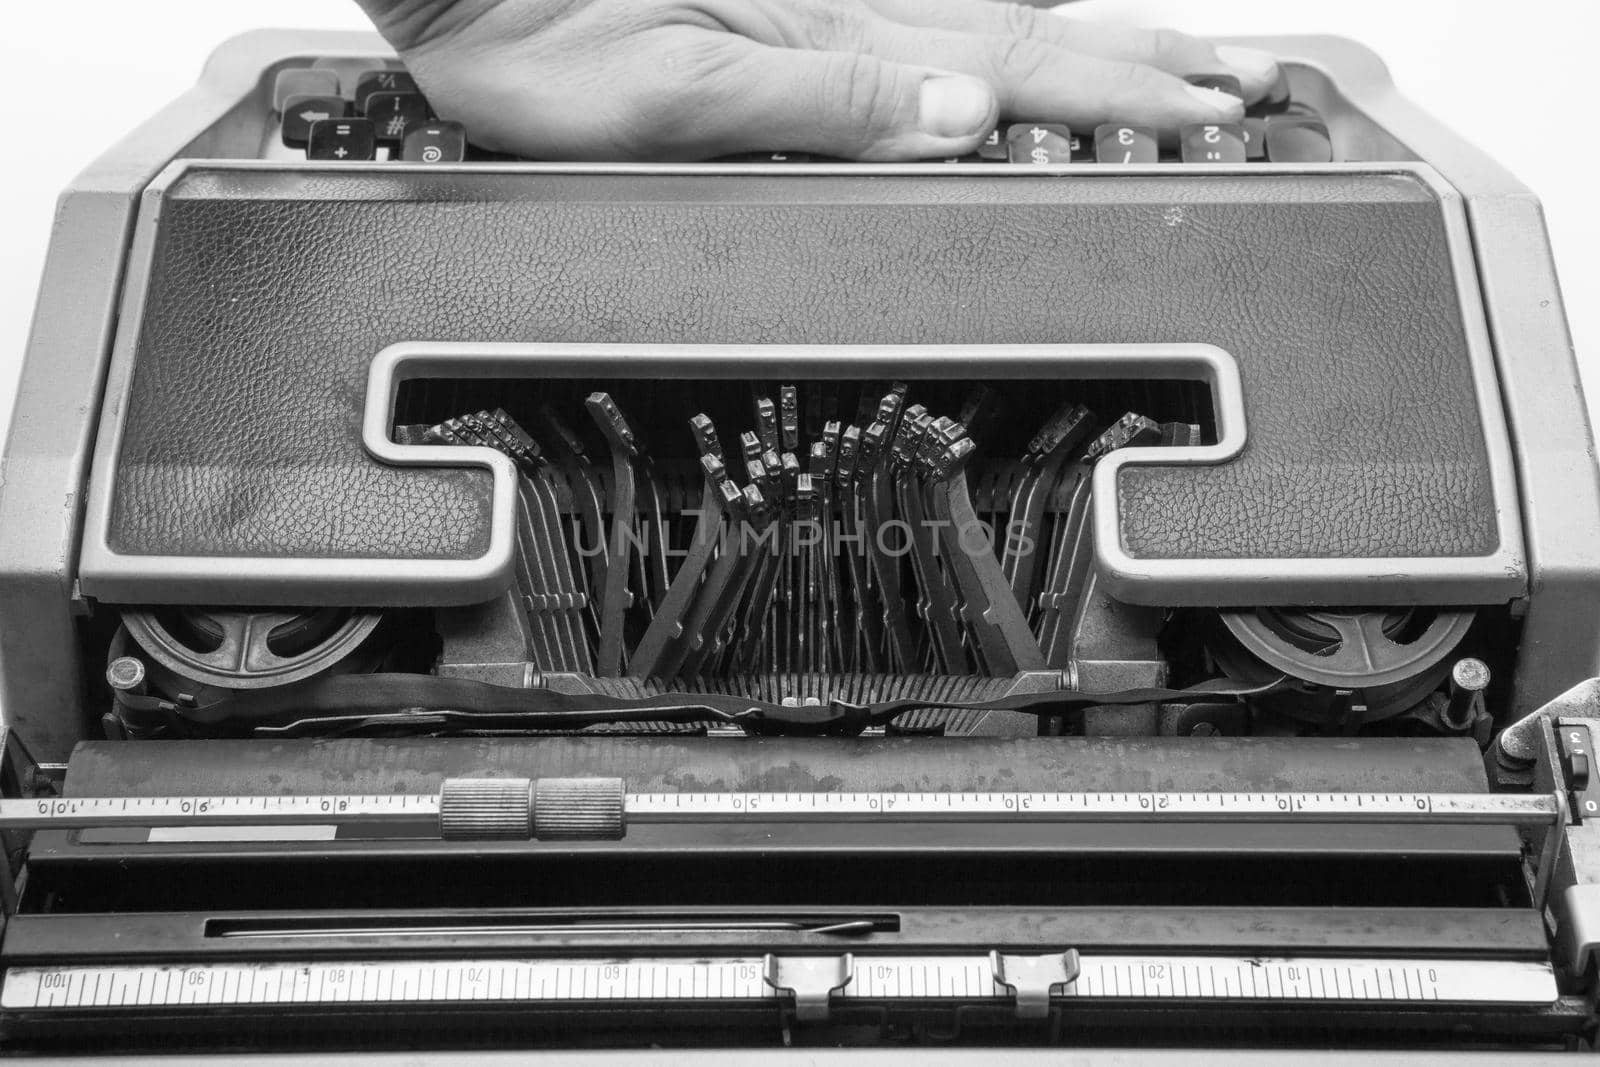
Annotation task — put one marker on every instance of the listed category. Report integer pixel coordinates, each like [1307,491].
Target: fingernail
[1251,64]
[1220,102]
[953,106]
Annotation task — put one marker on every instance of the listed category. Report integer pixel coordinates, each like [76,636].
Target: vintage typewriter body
[1104,592]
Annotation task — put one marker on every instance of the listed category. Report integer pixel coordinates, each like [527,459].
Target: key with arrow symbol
[301,112]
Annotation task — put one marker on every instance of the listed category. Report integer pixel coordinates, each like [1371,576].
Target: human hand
[864,79]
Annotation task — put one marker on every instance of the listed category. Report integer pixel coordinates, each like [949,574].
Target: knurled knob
[578,809]
[486,809]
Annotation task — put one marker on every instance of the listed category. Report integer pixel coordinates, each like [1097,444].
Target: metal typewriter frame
[63,387]
[64,380]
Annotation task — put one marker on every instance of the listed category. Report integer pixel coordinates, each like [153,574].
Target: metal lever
[1033,978]
[1048,453]
[562,596]
[705,437]
[936,601]
[1072,549]
[767,424]
[548,581]
[558,595]
[718,497]
[719,597]
[774,481]
[997,622]
[874,477]
[830,646]
[1131,431]
[810,980]
[584,487]
[613,609]
[868,625]
[789,418]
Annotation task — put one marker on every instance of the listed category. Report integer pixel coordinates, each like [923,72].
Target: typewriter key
[342,140]
[301,111]
[394,115]
[1126,144]
[382,81]
[1291,139]
[1214,144]
[302,81]
[437,142]
[1255,139]
[1039,143]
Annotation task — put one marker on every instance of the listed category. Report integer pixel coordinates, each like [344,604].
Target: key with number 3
[1126,144]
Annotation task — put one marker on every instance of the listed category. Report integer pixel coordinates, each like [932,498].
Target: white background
[1517,78]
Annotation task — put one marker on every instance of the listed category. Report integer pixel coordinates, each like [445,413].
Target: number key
[1126,144]
[1213,144]
[394,115]
[1039,143]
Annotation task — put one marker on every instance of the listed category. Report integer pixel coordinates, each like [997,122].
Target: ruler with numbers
[411,809]
[744,979]
[666,807]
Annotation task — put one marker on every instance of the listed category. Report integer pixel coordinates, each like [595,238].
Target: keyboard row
[384,116]
[1287,138]
[384,112]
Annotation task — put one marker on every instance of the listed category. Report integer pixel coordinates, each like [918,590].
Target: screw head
[125,673]
[1470,674]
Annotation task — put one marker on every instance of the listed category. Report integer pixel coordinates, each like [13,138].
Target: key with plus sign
[342,140]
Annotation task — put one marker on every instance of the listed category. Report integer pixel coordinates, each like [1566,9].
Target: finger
[845,104]
[1044,82]
[1168,50]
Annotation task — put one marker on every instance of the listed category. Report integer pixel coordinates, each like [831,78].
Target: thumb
[852,105]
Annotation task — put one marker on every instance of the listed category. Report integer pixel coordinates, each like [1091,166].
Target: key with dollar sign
[1039,143]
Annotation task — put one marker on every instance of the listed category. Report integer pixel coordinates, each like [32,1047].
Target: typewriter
[1126,589]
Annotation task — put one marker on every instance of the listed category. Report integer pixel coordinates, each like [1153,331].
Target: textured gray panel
[667,765]
[271,292]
